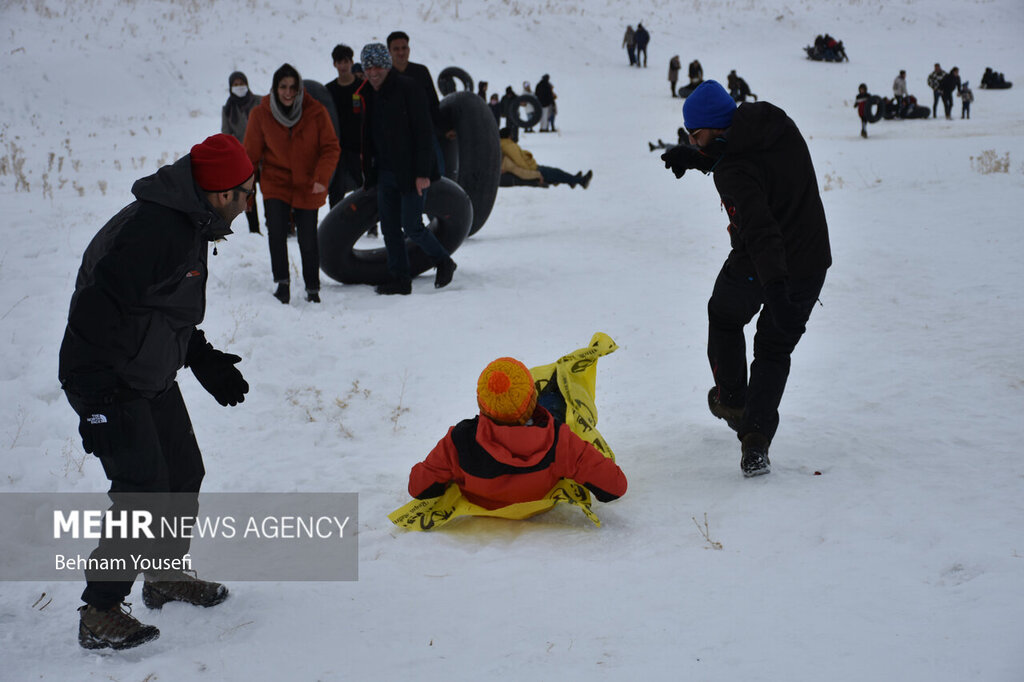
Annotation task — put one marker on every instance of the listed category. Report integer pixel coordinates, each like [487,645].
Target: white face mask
[239,90]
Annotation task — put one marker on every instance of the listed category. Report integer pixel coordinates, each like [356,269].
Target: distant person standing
[629,42]
[860,103]
[545,94]
[234,117]
[292,136]
[966,97]
[776,267]
[642,39]
[673,73]
[399,160]
[899,89]
[348,102]
[949,83]
[935,83]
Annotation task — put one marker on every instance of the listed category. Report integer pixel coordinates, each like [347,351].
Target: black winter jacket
[141,289]
[397,133]
[767,184]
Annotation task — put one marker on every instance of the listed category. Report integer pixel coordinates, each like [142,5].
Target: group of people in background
[302,161]
[635,42]
[904,105]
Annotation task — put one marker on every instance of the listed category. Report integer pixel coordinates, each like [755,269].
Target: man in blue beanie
[780,252]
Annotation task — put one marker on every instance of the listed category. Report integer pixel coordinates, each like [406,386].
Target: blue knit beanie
[375,54]
[708,106]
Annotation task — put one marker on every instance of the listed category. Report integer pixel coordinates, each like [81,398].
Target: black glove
[216,370]
[789,318]
[682,157]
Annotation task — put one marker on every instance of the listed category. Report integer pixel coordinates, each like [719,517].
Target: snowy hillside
[885,545]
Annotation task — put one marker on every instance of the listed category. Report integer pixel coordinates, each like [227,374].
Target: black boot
[754,460]
[158,589]
[444,273]
[733,416]
[585,180]
[283,294]
[313,296]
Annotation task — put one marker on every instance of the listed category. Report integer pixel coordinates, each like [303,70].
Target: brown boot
[166,586]
[733,416]
[113,628]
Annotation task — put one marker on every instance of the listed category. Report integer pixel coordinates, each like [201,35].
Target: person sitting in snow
[514,450]
[520,164]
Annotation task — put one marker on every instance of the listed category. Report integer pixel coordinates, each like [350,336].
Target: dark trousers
[937,95]
[641,51]
[279,217]
[735,301]
[947,103]
[253,218]
[965,110]
[348,176]
[152,450]
[403,211]
[556,176]
[631,51]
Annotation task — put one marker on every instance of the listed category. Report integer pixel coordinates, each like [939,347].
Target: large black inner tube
[478,166]
[448,207]
[874,109]
[446,80]
[527,110]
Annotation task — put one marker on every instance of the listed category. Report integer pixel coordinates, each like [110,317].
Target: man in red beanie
[140,292]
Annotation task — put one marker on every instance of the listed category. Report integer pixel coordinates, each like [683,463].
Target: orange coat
[496,465]
[293,159]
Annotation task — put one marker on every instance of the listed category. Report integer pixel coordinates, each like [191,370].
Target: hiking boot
[733,416]
[754,460]
[585,180]
[402,287]
[283,294]
[166,586]
[113,628]
[444,273]
[313,296]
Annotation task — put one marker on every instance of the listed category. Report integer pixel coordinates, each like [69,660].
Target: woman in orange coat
[514,451]
[290,135]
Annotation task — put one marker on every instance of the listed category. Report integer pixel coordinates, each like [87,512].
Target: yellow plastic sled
[576,376]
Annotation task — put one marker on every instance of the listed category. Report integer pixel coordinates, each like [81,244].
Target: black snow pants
[150,450]
[735,301]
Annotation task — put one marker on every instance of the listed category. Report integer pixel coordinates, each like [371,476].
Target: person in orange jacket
[514,451]
[291,136]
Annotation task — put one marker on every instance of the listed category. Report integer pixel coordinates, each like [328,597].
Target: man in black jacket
[140,292]
[399,160]
[780,252]
[398,48]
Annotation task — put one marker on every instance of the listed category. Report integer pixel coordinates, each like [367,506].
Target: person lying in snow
[514,450]
[518,167]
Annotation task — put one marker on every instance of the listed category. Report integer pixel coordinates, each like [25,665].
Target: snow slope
[902,560]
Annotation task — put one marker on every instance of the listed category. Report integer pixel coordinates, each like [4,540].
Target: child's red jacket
[496,465]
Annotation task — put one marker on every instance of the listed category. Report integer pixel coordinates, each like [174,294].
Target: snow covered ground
[902,560]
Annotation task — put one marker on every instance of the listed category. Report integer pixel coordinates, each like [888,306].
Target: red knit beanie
[505,392]
[219,163]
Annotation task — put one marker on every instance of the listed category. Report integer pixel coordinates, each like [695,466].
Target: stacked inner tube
[473,158]
[450,212]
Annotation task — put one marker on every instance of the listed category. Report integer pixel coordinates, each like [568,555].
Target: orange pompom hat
[505,392]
